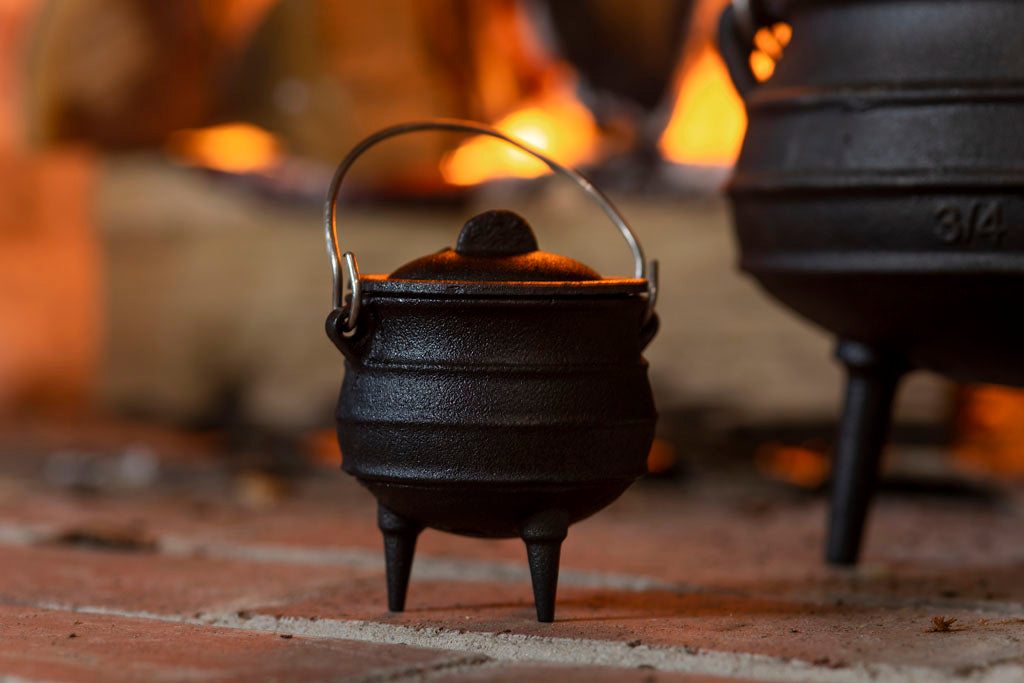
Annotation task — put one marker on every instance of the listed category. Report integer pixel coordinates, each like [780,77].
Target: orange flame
[230,147]
[555,123]
[708,119]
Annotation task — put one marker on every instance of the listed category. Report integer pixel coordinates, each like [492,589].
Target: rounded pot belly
[499,426]
[491,510]
[936,275]
[474,451]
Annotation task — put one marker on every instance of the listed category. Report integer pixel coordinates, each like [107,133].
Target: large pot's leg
[543,534]
[399,547]
[872,376]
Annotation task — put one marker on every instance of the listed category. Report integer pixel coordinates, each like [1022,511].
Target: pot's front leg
[543,534]
[399,547]
[872,376]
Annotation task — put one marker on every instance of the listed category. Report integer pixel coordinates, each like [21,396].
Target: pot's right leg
[399,547]
[872,376]
[543,534]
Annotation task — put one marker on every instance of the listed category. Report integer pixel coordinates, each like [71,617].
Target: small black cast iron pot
[492,390]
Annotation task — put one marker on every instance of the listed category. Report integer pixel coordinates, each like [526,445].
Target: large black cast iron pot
[492,389]
[878,193]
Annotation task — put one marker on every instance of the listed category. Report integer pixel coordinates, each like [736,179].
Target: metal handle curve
[330,208]
[740,21]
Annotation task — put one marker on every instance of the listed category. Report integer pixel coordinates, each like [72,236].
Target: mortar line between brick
[520,648]
[426,672]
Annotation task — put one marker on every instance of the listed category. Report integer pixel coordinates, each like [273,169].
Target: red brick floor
[670,583]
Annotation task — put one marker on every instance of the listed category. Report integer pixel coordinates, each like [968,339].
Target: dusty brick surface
[915,550]
[332,513]
[689,570]
[517,673]
[150,582]
[832,635]
[58,645]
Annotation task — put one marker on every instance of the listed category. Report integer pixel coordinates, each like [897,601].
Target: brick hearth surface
[201,579]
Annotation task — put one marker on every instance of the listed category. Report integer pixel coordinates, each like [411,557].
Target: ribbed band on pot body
[499,390]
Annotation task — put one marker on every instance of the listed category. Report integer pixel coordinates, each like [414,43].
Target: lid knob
[496,233]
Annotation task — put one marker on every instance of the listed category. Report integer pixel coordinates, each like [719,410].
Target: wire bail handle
[642,270]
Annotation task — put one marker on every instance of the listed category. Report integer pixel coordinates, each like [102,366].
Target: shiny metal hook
[356,287]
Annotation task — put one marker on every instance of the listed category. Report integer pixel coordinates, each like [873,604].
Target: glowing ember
[661,457]
[806,466]
[991,430]
[762,65]
[230,147]
[782,33]
[320,446]
[557,124]
[769,42]
[708,120]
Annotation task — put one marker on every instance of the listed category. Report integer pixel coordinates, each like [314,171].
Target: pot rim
[380,284]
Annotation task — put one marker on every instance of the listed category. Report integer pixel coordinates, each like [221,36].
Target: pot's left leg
[543,534]
[872,376]
[399,547]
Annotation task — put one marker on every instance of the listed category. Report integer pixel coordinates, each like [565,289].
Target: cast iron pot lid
[497,254]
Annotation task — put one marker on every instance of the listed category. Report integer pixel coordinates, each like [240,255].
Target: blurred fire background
[162,276]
